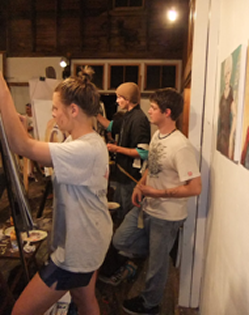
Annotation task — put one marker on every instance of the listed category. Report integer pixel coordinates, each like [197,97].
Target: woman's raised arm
[18,138]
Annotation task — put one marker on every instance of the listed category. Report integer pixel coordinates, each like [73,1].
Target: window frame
[172,64]
[110,65]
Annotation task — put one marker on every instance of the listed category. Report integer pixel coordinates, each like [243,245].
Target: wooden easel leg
[25,173]
[48,189]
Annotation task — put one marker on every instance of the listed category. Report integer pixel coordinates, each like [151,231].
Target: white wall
[225,288]
[24,69]
[194,227]
[21,70]
[21,97]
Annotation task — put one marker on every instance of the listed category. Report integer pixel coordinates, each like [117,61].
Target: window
[120,74]
[128,3]
[159,76]
[97,76]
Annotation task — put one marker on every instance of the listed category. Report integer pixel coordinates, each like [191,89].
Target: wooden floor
[110,298]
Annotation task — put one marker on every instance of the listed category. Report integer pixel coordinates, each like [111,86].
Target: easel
[48,190]
[25,173]
[18,200]
[24,166]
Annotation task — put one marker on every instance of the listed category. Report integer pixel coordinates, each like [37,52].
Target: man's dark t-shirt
[133,129]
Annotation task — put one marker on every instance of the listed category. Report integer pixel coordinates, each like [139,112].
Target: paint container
[13,241]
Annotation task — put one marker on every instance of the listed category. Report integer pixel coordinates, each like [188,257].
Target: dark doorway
[109,101]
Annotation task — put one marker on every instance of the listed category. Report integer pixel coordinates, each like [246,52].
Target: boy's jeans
[123,195]
[156,239]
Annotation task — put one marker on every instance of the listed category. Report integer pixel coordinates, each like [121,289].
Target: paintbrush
[126,173]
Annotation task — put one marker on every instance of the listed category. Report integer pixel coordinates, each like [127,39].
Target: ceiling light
[64,62]
[172,15]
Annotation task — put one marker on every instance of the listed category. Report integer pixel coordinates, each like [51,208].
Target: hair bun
[86,73]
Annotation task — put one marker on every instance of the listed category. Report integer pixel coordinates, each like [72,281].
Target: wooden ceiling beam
[33,24]
[3,25]
[57,23]
[82,24]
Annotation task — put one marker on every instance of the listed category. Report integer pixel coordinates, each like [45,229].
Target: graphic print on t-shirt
[156,154]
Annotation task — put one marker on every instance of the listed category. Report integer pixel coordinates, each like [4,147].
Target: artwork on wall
[245,126]
[232,78]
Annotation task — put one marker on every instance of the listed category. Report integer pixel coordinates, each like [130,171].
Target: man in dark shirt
[132,146]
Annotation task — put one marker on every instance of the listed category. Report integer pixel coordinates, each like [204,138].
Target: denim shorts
[65,280]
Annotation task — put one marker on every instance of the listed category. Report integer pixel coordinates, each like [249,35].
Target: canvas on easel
[20,209]
[25,222]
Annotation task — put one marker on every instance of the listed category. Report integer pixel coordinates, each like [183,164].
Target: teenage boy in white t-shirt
[172,176]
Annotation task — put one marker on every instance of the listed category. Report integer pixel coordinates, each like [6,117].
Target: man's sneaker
[135,307]
[126,272]
[115,279]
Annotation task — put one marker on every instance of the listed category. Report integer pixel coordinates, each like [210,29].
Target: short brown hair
[168,98]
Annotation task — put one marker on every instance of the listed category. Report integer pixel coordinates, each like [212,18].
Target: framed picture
[232,79]
[244,159]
